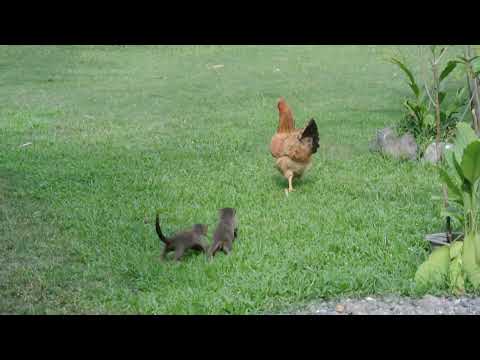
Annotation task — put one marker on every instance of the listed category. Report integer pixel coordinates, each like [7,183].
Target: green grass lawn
[118,132]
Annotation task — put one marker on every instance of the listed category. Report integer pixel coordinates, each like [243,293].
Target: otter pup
[225,232]
[182,241]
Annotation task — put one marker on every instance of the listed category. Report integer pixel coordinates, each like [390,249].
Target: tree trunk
[437,105]
[474,87]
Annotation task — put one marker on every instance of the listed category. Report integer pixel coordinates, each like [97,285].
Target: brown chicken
[293,148]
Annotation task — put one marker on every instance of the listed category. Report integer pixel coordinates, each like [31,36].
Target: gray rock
[431,155]
[388,143]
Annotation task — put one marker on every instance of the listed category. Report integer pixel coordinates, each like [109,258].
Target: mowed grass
[119,132]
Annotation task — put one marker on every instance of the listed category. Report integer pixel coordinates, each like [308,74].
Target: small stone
[429,298]
[340,308]
[388,143]
[431,155]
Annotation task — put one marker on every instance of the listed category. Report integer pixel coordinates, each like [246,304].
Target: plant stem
[476,110]
[473,86]
[437,105]
[423,67]
[436,82]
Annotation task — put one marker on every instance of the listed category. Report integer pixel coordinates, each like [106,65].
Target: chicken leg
[290,187]
[289,176]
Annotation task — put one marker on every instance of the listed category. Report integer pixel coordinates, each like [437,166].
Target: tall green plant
[471,65]
[461,175]
[416,120]
[426,110]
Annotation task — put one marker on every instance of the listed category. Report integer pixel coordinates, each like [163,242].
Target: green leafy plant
[434,271]
[416,120]
[461,175]
[471,66]
[428,111]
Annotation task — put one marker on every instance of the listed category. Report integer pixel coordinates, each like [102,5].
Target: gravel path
[391,305]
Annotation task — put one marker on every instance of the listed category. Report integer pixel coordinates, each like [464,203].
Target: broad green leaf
[467,200]
[434,271]
[465,135]
[471,162]
[459,170]
[441,96]
[447,70]
[456,249]
[443,117]
[410,108]
[460,93]
[476,242]
[415,89]
[452,187]
[476,65]
[415,110]
[459,62]
[456,278]
[404,68]
[448,156]
[470,266]
[413,84]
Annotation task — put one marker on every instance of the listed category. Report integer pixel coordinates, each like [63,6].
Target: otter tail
[159,231]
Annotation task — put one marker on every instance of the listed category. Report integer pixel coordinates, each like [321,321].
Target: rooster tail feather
[285,122]
[311,131]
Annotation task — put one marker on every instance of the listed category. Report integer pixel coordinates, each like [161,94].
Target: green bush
[419,118]
[461,175]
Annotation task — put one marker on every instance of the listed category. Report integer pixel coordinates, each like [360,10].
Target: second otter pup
[225,232]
